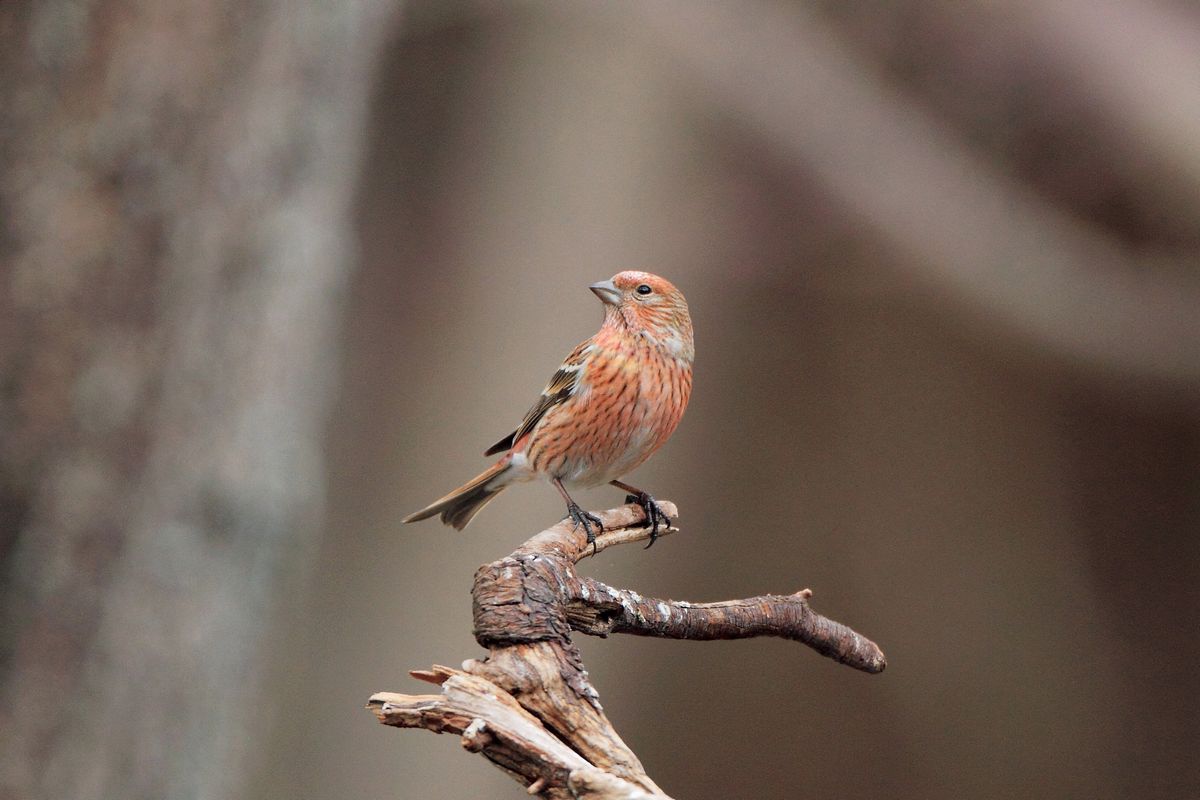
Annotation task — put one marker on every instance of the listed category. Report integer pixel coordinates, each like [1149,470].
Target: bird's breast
[627,405]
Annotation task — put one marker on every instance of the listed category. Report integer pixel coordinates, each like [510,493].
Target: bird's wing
[560,387]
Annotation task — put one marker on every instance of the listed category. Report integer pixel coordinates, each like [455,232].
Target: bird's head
[649,306]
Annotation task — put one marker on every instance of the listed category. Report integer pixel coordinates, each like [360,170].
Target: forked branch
[529,706]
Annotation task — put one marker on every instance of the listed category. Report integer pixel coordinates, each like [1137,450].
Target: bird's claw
[655,516]
[585,520]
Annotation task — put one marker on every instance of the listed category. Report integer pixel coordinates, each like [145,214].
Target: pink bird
[613,402]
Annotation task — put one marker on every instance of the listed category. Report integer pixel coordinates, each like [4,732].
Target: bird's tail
[460,506]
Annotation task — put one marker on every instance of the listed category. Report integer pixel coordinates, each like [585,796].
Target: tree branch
[600,610]
[530,708]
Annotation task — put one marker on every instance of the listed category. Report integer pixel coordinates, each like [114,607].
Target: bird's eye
[644,289]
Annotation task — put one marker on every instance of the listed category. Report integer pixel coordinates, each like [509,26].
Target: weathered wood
[530,708]
[600,610]
[489,721]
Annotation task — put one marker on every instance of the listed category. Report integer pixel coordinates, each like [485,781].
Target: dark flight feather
[561,386]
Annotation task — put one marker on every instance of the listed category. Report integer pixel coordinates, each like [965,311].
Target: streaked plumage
[613,402]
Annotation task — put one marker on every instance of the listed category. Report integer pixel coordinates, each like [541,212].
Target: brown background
[942,263]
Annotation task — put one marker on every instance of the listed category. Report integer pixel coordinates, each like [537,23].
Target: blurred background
[275,273]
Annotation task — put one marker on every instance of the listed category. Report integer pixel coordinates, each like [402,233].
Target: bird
[614,401]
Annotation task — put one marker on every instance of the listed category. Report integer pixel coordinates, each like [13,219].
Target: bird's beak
[607,292]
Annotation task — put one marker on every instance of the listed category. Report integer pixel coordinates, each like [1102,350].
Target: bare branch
[600,610]
[494,725]
[530,708]
[536,594]
[624,525]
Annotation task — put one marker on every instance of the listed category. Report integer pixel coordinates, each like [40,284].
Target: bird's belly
[613,445]
[587,470]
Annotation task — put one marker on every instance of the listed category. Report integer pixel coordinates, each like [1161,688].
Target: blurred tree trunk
[175,180]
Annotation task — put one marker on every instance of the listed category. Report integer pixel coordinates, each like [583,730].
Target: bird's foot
[655,516]
[583,519]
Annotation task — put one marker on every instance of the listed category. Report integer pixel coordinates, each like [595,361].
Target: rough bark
[530,707]
[174,185]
